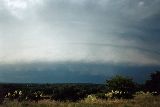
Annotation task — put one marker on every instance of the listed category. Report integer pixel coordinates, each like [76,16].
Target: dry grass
[138,101]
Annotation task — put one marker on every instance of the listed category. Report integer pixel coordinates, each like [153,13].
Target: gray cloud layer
[44,72]
[108,31]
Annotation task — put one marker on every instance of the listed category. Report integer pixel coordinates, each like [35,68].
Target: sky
[78,40]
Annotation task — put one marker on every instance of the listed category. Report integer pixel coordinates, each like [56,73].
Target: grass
[138,101]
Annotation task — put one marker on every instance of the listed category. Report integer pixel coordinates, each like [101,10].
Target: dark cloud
[111,32]
[71,72]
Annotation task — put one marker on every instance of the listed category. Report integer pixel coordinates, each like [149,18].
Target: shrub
[116,94]
[153,85]
[90,99]
[120,87]
[68,94]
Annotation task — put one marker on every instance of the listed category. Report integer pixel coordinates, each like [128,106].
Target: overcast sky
[89,31]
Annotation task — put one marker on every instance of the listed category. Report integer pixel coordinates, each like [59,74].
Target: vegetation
[153,85]
[119,91]
[120,87]
[144,100]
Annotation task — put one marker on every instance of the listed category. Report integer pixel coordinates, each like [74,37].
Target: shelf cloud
[114,32]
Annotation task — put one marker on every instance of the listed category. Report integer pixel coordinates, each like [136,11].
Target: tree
[153,85]
[122,87]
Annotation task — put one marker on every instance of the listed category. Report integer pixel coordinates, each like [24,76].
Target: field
[117,92]
[138,101]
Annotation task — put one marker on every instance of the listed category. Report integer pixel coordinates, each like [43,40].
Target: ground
[138,101]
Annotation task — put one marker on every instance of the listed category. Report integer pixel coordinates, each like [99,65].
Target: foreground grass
[138,101]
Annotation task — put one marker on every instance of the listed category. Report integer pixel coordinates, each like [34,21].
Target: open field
[138,101]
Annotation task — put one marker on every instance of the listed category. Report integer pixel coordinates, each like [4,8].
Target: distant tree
[153,85]
[123,85]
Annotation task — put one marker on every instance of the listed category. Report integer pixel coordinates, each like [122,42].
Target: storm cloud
[112,32]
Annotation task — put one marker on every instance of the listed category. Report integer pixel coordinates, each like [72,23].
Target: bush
[153,85]
[68,94]
[90,99]
[120,87]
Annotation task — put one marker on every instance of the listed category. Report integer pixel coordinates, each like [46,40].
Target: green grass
[138,101]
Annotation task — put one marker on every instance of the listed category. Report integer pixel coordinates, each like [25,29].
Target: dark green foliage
[60,92]
[153,85]
[122,84]
[71,93]
[75,92]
